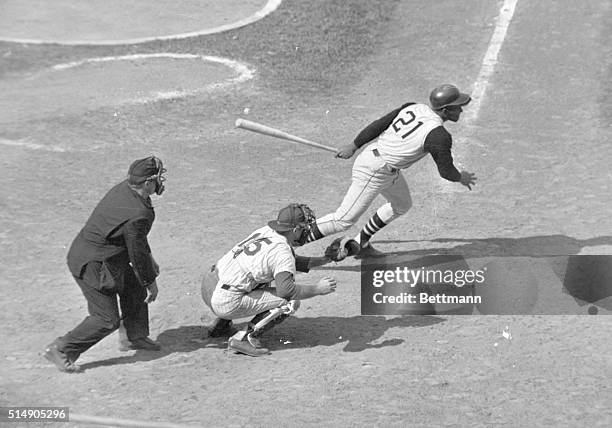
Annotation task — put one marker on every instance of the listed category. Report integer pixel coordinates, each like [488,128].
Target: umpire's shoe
[60,359]
[142,343]
[246,347]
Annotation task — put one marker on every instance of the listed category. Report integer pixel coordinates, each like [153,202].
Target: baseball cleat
[60,359]
[254,341]
[143,343]
[369,252]
[245,347]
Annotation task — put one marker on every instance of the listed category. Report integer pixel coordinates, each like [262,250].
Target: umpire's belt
[391,169]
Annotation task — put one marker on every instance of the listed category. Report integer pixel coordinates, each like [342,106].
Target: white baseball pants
[230,304]
[370,177]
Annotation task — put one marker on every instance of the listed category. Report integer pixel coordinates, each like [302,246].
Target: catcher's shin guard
[266,321]
[263,322]
[247,341]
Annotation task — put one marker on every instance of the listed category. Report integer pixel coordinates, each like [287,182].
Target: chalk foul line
[480,86]
[490,59]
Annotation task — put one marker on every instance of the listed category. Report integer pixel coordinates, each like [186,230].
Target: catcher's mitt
[336,251]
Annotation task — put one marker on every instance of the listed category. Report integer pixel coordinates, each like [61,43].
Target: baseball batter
[239,285]
[399,139]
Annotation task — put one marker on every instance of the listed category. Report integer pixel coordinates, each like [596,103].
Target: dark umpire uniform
[111,257]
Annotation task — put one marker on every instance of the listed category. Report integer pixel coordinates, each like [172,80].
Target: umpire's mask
[148,169]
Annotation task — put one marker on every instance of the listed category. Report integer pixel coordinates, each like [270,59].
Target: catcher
[239,285]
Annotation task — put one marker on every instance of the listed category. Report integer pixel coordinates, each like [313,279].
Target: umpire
[111,257]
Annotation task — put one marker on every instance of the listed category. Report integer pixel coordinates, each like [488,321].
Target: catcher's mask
[159,177]
[296,218]
[148,169]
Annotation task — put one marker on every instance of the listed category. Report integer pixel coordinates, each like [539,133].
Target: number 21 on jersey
[404,125]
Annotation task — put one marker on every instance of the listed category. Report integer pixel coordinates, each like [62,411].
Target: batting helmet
[447,95]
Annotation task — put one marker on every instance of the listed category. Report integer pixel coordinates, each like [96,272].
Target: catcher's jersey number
[404,124]
[251,245]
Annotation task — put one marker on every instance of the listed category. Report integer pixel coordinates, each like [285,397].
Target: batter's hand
[326,285]
[151,292]
[346,151]
[468,179]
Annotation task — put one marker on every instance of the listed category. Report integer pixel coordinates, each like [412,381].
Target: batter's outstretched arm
[438,143]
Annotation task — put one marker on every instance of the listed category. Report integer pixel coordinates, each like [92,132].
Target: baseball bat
[273,132]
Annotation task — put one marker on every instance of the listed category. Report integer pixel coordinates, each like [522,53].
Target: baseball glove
[336,251]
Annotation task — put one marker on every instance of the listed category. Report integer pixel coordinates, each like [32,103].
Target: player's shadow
[176,340]
[585,278]
[588,279]
[535,246]
[530,246]
[358,332]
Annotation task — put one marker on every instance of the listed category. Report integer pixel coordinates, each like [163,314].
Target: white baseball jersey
[256,260]
[401,144]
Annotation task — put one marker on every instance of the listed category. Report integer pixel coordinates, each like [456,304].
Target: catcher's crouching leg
[247,341]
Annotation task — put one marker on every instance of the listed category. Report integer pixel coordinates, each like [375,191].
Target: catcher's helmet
[292,216]
[447,95]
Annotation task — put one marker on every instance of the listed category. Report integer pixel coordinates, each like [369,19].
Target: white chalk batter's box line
[243,71]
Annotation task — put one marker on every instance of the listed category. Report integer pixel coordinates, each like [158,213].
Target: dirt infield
[323,70]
